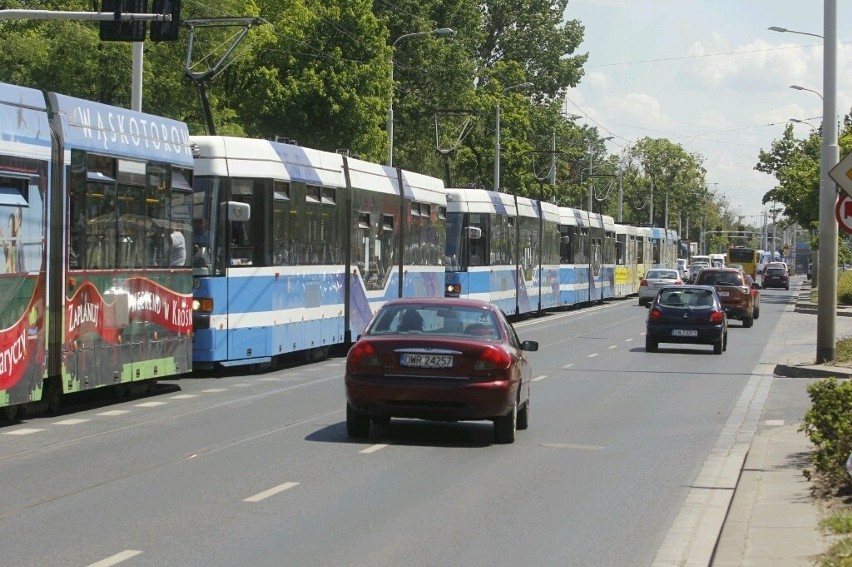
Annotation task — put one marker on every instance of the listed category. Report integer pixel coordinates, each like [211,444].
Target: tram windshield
[204,222]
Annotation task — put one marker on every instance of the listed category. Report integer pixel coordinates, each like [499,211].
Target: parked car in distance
[755,295]
[682,267]
[776,277]
[654,280]
[687,314]
[734,292]
[439,359]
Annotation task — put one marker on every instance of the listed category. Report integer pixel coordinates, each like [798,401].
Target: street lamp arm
[785,30]
[801,88]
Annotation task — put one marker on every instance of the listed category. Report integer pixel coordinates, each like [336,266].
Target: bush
[844,288]
[828,424]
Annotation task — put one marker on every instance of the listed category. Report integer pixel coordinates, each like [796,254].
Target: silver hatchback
[654,280]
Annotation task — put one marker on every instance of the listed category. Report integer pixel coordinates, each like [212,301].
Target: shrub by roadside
[844,288]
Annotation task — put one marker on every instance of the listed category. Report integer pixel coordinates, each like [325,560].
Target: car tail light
[679,282]
[654,314]
[493,358]
[643,283]
[717,317]
[362,358]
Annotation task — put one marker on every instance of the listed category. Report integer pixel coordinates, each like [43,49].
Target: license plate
[722,293]
[426,360]
[684,333]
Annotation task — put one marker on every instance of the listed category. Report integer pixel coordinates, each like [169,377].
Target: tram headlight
[202,305]
[452,290]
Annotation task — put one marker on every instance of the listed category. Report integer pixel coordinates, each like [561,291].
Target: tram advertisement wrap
[142,300]
[21,345]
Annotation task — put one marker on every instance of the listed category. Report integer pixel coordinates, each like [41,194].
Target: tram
[95,289]
[294,249]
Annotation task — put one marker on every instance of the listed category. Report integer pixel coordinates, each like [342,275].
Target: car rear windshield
[687,298]
[661,275]
[436,320]
[720,278]
[776,271]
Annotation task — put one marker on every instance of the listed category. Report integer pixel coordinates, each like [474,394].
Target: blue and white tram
[503,249]
[295,248]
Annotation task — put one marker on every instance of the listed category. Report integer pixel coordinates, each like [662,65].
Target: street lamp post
[439,31]
[497,135]
[829,156]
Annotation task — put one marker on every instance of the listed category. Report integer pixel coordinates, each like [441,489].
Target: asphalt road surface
[257,469]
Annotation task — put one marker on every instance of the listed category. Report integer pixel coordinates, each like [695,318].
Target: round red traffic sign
[843,212]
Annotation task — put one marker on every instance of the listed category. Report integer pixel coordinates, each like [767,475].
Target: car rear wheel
[505,425]
[650,344]
[748,321]
[719,346]
[357,424]
[523,417]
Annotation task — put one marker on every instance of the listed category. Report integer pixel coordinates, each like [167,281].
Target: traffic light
[116,30]
[166,31]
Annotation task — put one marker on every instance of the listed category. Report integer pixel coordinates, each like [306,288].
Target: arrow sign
[842,174]
[843,212]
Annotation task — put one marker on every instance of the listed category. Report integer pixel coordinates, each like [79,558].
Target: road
[257,469]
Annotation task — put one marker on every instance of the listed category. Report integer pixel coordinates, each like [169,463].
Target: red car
[441,359]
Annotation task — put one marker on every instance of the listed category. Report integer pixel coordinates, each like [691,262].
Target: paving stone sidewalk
[772,519]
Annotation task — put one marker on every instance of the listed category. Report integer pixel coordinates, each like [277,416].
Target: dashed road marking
[25,431]
[271,492]
[117,558]
[114,412]
[594,354]
[72,421]
[569,365]
[774,422]
[628,340]
[214,390]
[150,404]
[373,448]
[183,396]
[612,347]
[539,378]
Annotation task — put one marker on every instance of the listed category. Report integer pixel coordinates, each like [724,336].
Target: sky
[708,75]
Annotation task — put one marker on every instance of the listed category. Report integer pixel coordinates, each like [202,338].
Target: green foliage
[844,288]
[839,523]
[828,424]
[839,555]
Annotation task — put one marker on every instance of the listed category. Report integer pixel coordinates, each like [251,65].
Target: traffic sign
[842,174]
[843,212]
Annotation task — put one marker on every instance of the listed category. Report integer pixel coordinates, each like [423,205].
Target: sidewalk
[772,519]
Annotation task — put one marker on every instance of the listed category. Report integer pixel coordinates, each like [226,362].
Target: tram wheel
[11,413]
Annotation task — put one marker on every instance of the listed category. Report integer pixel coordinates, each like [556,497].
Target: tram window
[242,232]
[181,218]
[282,239]
[13,191]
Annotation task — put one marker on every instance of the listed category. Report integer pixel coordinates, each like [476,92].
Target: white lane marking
[271,492]
[569,365]
[214,390]
[72,421]
[373,448]
[612,347]
[150,404]
[114,412]
[594,354]
[116,559]
[539,378]
[25,431]
[571,446]
[183,396]
[243,385]
[774,422]
[628,340]
[270,379]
